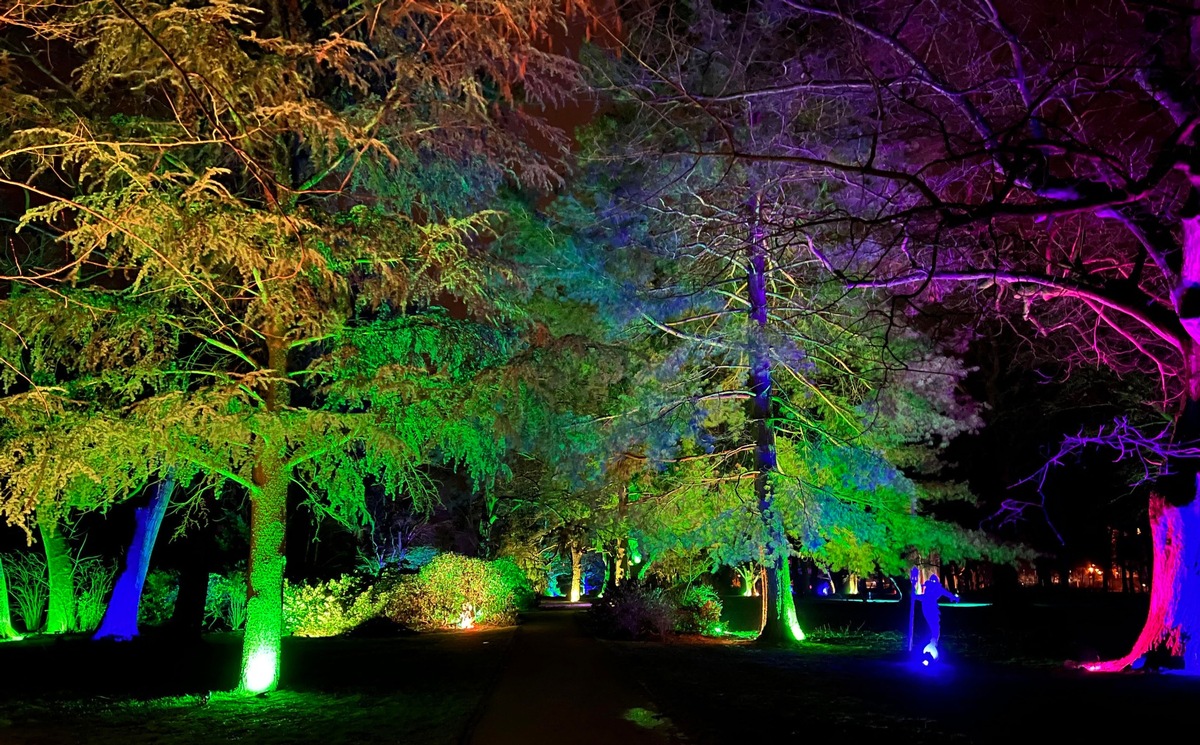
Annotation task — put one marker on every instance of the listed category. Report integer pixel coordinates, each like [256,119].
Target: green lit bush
[225,603]
[699,611]
[28,586]
[513,577]
[329,608]
[634,610]
[93,580]
[436,597]
[158,597]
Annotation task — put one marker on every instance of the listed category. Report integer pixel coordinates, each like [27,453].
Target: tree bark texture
[60,569]
[6,628]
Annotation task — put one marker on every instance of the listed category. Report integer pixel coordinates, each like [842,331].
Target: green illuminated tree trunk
[6,628]
[264,588]
[263,635]
[60,615]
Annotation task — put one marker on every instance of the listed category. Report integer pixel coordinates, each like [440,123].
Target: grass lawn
[362,690]
[1001,679]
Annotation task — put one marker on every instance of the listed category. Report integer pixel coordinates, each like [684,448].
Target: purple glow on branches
[1151,451]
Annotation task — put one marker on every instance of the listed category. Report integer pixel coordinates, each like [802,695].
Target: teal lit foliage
[699,611]
[556,569]
[634,610]
[424,183]
[418,556]
[159,594]
[436,597]
[330,608]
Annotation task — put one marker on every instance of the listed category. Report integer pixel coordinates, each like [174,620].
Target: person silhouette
[934,591]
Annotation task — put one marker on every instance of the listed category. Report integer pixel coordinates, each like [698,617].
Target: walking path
[560,685]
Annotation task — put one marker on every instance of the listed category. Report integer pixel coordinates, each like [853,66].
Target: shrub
[225,604]
[699,611]
[93,584]
[158,597]
[516,581]
[329,608]
[438,595]
[29,587]
[633,610]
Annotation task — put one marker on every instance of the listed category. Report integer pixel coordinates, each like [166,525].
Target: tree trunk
[60,571]
[1174,615]
[781,625]
[1174,590]
[576,573]
[263,635]
[121,616]
[6,628]
[188,617]
[618,563]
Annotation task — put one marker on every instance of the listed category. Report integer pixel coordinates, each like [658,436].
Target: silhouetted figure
[934,591]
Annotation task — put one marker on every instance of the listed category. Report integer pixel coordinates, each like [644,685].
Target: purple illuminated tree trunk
[121,616]
[60,576]
[780,625]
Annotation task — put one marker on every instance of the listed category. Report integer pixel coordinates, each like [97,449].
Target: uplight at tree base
[794,625]
[260,671]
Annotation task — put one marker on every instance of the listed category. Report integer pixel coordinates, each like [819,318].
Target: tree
[120,620]
[1031,161]
[271,195]
[756,375]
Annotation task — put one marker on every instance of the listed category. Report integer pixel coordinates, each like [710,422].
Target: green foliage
[329,608]
[699,611]
[438,595]
[159,594]
[225,603]
[29,587]
[93,583]
[513,577]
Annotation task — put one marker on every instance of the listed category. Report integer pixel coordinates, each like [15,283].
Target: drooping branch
[1164,328]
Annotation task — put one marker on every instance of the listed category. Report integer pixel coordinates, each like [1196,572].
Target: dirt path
[558,684]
